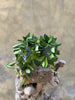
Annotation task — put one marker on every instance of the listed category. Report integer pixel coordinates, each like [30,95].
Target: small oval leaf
[31,67]
[23,81]
[50,39]
[36,48]
[53,50]
[28,71]
[12,63]
[51,56]
[43,64]
[17,52]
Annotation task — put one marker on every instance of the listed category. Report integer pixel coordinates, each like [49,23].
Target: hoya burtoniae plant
[32,52]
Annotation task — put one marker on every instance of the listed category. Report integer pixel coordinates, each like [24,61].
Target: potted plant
[34,54]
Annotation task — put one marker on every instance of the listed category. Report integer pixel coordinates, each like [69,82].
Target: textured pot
[42,86]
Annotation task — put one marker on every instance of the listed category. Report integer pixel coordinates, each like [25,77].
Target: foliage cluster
[32,52]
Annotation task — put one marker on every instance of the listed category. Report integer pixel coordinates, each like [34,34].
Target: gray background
[55,17]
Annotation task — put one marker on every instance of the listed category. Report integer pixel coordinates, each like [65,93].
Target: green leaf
[28,35]
[50,39]
[57,52]
[53,49]
[25,38]
[17,45]
[28,71]
[48,53]
[38,40]
[8,66]
[46,62]
[46,37]
[43,64]
[28,59]
[23,81]
[16,70]
[58,43]
[20,40]
[41,38]
[51,56]
[54,39]
[52,66]
[22,46]
[43,44]
[11,65]
[20,73]
[40,58]
[36,48]
[38,52]
[54,59]
[31,67]
[28,38]
[51,61]
[17,52]
[16,49]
